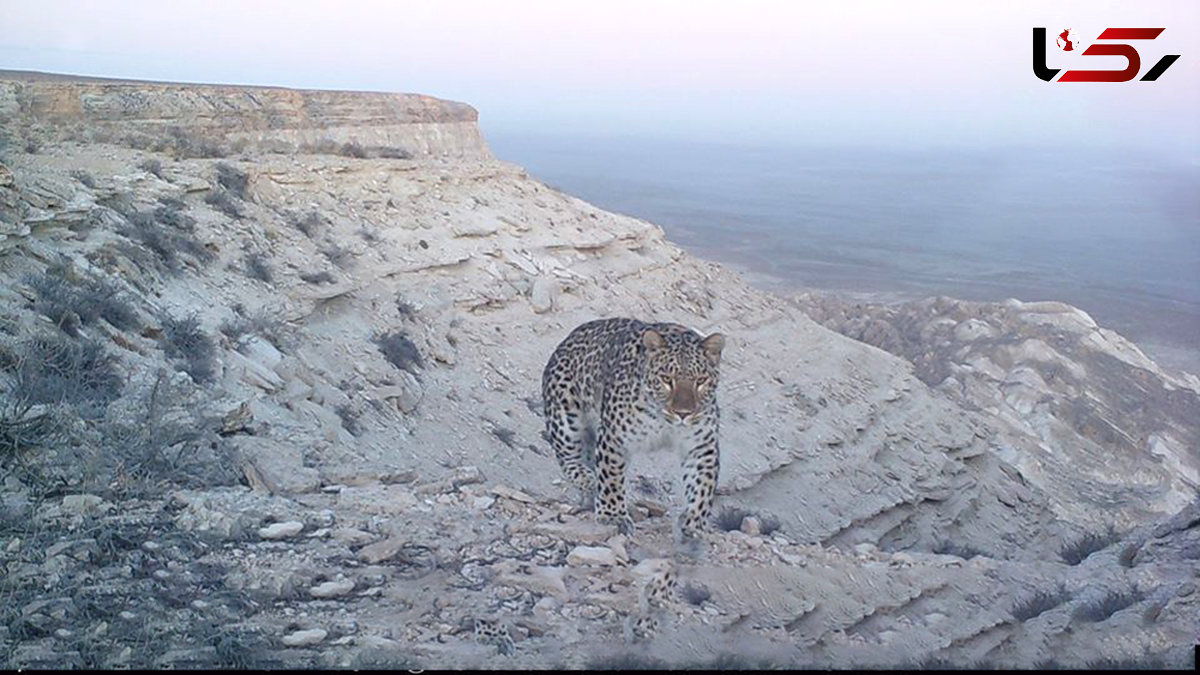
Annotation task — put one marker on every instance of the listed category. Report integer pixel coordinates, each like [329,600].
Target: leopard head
[681,372]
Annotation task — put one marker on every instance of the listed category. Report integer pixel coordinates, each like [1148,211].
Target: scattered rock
[543,294]
[85,505]
[304,638]
[579,531]
[378,499]
[332,589]
[281,530]
[591,555]
[381,550]
[751,525]
[351,536]
[510,493]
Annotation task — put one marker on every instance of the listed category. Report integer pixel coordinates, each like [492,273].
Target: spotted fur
[624,383]
[494,633]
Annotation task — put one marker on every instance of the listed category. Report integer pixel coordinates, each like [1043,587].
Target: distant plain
[1116,234]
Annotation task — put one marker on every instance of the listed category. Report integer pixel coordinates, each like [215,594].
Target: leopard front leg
[701,467]
[611,505]
[565,431]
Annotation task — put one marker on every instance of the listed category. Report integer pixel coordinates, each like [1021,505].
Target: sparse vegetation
[241,325]
[730,518]
[72,304]
[1078,551]
[221,200]
[369,235]
[1039,603]
[352,149]
[350,419]
[84,178]
[966,552]
[338,256]
[232,180]
[310,224]
[171,212]
[506,436]
[185,341]
[695,594]
[322,277]
[1110,603]
[400,351]
[406,309]
[257,267]
[167,244]
[54,369]
[152,167]
[1128,555]
[184,146]
[392,153]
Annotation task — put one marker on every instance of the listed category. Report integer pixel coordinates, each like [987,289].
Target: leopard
[617,385]
[494,633]
[655,598]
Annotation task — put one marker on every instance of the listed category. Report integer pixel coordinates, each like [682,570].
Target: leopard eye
[665,380]
[702,381]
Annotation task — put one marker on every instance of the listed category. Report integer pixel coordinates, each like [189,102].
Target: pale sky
[895,72]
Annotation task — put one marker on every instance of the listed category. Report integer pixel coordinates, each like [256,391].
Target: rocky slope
[309,432]
[1108,420]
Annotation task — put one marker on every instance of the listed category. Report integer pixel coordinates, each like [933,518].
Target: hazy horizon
[862,73]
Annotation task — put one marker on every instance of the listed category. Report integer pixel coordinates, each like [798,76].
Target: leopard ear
[653,340]
[713,344]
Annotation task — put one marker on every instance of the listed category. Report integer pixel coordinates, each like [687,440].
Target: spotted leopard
[655,598]
[493,633]
[625,383]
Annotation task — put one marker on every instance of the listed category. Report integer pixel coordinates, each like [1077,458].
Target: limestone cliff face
[246,118]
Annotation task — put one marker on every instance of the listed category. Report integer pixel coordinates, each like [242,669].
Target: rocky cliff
[208,119]
[281,408]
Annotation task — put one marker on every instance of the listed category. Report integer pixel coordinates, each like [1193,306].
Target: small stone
[542,294]
[332,589]
[64,634]
[580,531]
[483,503]
[14,545]
[304,638]
[591,555]
[334,489]
[545,606]
[865,548]
[127,615]
[199,605]
[352,536]
[515,495]
[381,550]
[151,545]
[617,544]
[162,575]
[751,525]
[281,530]
[81,505]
